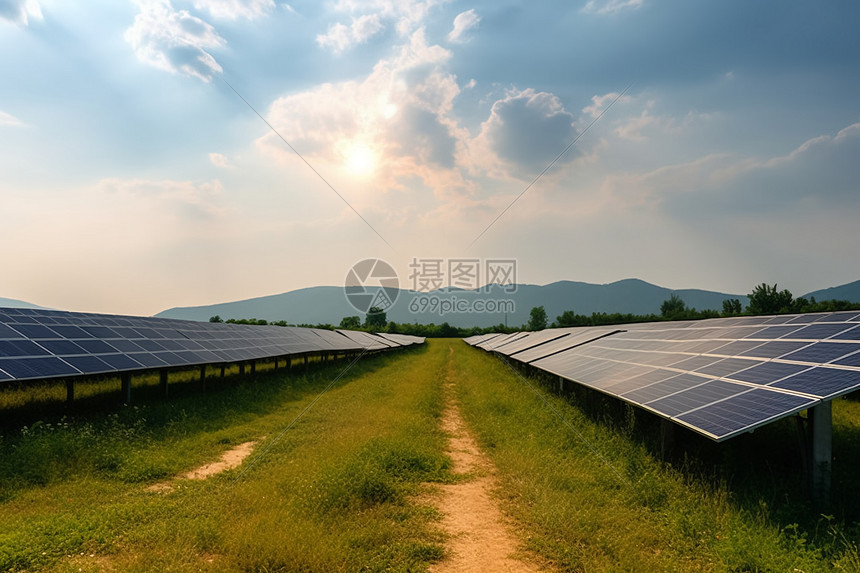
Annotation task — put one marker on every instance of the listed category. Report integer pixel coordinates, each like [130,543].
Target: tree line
[764,299]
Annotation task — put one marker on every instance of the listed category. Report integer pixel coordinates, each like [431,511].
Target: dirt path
[480,540]
[230,459]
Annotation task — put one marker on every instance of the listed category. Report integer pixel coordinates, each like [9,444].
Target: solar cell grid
[694,398]
[731,363]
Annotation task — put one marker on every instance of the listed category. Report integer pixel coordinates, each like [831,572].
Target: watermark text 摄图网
[430,274]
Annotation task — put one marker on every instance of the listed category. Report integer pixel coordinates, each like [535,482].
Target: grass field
[336,490]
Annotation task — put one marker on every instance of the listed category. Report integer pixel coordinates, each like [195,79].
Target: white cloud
[370,17]
[398,119]
[10,120]
[174,41]
[220,160]
[235,9]
[610,6]
[464,22]
[20,11]
[340,38]
[599,103]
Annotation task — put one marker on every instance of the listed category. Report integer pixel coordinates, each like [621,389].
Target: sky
[162,153]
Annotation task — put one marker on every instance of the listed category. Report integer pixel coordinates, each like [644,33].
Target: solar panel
[719,377]
[36,344]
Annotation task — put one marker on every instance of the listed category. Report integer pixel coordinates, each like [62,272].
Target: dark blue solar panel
[124,345]
[101,332]
[822,381]
[172,345]
[774,349]
[772,332]
[853,360]
[126,332]
[4,376]
[35,331]
[7,333]
[120,361]
[148,360]
[768,372]
[149,345]
[170,358]
[726,367]
[94,346]
[661,389]
[744,411]
[71,331]
[61,347]
[851,334]
[27,368]
[88,364]
[149,332]
[21,348]
[697,397]
[823,352]
[818,331]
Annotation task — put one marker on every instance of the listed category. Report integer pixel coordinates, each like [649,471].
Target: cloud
[464,22]
[235,9]
[340,38]
[526,130]
[398,117]
[822,173]
[10,120]
[599,103]
[220,160]
[174,41]
[20,11]
[370,17]
[610,6]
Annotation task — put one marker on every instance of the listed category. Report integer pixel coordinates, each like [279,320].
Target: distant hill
[849,292]
[328,304]
[13,303]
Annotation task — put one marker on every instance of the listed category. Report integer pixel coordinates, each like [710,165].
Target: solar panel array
[718,377]
[40,344]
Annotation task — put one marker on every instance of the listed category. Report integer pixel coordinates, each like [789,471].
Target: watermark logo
[468,274]
[371,283]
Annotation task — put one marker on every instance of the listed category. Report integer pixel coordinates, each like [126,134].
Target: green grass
[339,489]
[331,494]
[598,499]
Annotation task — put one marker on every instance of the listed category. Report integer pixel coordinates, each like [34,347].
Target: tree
[673,307]
[566,319]
[537,318]
[350,322]
[215,318]
[731,306]
[768,300]
[376,319]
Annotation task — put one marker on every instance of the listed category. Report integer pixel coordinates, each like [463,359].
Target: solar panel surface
[37,344]
[719,377]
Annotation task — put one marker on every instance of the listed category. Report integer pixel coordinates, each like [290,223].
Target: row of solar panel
[37,344]
[720,377]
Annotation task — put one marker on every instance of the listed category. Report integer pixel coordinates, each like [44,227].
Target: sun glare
[360,159]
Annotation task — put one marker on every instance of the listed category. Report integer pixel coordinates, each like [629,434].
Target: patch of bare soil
[230,459]
[480,539]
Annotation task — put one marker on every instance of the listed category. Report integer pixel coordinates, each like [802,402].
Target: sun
[360,159]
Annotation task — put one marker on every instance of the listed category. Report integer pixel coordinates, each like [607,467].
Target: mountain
[849,292]
[328,304]
[13,303]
